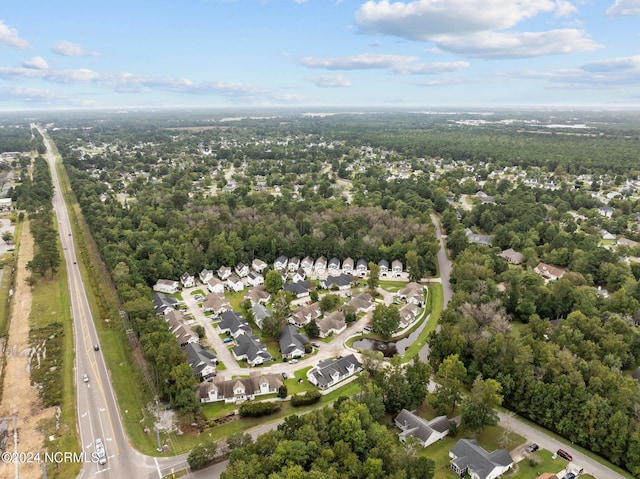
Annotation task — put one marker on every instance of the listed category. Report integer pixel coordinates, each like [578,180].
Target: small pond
[390,348]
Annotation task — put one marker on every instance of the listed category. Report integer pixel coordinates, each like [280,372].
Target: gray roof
[342,280]
[199,357]
[415,426]
[260,312]
[251,346]
[225,388]
[469,454]
[291,339]
[233,322]
[162,302]
[300,287]
[326,369]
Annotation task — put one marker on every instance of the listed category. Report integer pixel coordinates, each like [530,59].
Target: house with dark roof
[187,280]
[234,283]
[237,390]
[224,272]
[362,267]
[233,324]
[342,282]
[162,303]
[307,264]
[426,432]
[294,263]
[334,266]
[205,275]
[178,325]
[280,263]
[299,275]
[255,279]
[383,264]
[483,240]
[242,269]
[250,348]
[300,289]
[202,361]
[292,343]
[606,211]
[332,371]
[468,457]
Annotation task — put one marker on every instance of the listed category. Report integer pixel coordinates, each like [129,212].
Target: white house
[383,264]
[347,266]
[216,303]
[166,286]
[332,323]
[294,263]
[202,361]
[188,280]
[334,266]
[396,268]
[362,267]
[224,272]
[307,265]
[242,270]
[332,371]
[237,390]
[215,285]
[234,283]
[255,279]
[299,275]
[280,263]
[205,275]
[426,432]
[320,265]
[258,265]
[468,457]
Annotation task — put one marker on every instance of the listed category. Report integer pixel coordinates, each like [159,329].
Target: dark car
[565,455]
[571,475]
[96,347]
[532,447]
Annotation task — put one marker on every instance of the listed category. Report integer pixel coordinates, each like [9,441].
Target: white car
[101,453]
[293,361]
[85,378]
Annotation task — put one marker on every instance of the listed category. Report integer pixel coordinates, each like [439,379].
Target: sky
[120,54]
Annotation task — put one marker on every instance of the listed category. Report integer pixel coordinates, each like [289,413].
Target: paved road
[97,408]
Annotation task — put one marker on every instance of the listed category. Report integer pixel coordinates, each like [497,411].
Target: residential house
[258,265]
[605,235]
[331,371]
[299,275]
[260,313]
[234,283]
[162,303]
[255,279]
[188,280]
[251,349]
[362,267]
[549,272]
[280,263]
[332,323]
[342,282]
[468,457]
[258,294]
[426,432]
[205,275]
[177,323]
[412,293]
[334,266]
[224,272]
[305,315]
[408,313]
[215,285]
[307,265]
[483,240]
[347,266]
[396,268]
[202,361]
[216,303]
[320,265]
[294,264]
[233,323]
[606,211]
[512,256]
[242,270]
[300,289]
[627,242]
[166,286]
[383,264]
[361,303]
[292,343]
[236,390]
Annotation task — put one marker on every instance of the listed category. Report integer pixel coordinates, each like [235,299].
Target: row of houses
[334,266]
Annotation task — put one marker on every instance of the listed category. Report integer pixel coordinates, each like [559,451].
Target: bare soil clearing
[21,406]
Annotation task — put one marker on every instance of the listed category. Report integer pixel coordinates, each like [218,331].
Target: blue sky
[325,53]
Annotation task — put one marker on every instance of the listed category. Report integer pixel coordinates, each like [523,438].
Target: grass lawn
[235,299]
[524,470]
[435,303]
[392,286]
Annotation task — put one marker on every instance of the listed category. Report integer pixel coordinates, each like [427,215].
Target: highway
[97,409]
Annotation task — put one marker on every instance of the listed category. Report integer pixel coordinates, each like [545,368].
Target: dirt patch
[21,406]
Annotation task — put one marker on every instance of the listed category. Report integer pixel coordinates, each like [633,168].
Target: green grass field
[435,302]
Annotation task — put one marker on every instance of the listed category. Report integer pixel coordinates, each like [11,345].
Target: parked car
[96,347]
[284,376]
[571,475]
[533,447]
[85,378]
[293,361]
[315,345]
[227,340]
[565,455]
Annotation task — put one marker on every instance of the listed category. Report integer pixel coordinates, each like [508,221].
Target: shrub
[310,397]
[257,409]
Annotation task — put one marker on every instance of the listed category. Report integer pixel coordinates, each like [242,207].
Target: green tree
[385,319]
[283,392]
[329,302]
[415,265]
[449,379]
[273,281]
[374,278]
[312,330]
[478,408]
[202,455]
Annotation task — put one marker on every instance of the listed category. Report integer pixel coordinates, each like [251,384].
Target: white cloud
[70,49]
[475,28]
[30,94]
[9,36]
[360,62]
[329,81]
[623,8]
[36,62]
[518,45]
[623,64]
[424,19]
